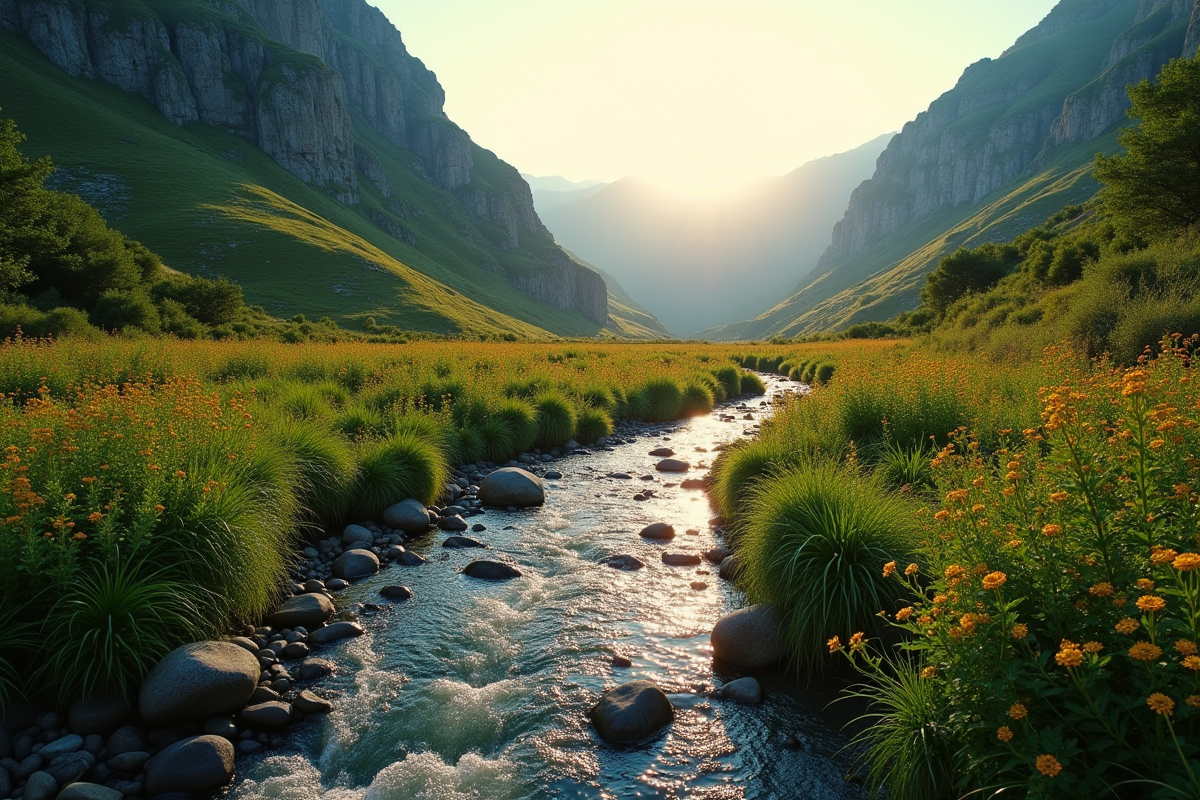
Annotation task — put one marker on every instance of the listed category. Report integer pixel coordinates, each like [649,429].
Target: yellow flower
[1151,602]
[1092,647]
[956,496]
[1004,733]
[1104,589]
[1193,700]
[1144,651]
[834,644]
[1127,626]
[1058,497]
[1069,656]
[1020,630]
[954,571]
[1145,584]
[159,508]
[910,570]
[889,568]
[95,516]
[928,672]
[1162,555]
[1048,765]
[1192,663]
[994,580]
[1186,562]
[1160,704]
[1186,648]
[903,614]
[941,515]
[857,642]
[978,508]
[1051,530]
[1018,711]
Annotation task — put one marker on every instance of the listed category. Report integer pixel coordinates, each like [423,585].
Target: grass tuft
[555,419]
[395,469]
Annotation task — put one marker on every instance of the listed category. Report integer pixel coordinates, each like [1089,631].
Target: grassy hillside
[185,192]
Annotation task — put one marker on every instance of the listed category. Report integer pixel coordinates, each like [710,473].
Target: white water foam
[424,776]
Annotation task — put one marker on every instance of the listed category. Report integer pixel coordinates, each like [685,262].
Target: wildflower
[941,515]
[857,642]
[956,496]
[1020,630]
[79,536]
[1134,383]
[1069,656]
[1186,562]
[1048,765]
[95,516]
[1126,626]
[1151,602]
[159,508]
[928,672]
[994,580]
[1192,663]
[1193,700]
[834,644]
[1104,589]
[1156,443]
[1051,530]
[1058,497]
[978,508]
[954,571]
[1145,584]
[1186,648]
[1162,555]
[1018,711]
[1012,477]
[1144,651]
[903,614]
[910,570]
[1092,647]
[1004,733]
[889,568]
[1160,704]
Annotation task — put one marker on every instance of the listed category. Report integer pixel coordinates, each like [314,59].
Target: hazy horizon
[695,95]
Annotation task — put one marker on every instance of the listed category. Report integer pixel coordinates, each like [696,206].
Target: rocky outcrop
[568,286]
[1191,41]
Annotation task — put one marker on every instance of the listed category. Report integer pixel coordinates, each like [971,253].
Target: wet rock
[659,531]
[356,533]
[409,516]
[748,638]
[718,554]
[699,586]
[672,465]
[313,668]
[275,714]
[624,562]
[691,532]
[455,523]
[197,764]
[303,610]
[310,703]
[40,786]
[621,476]
[71,767]
[336,632]
[263,694]
[478,527]
[791,743]
[621,662]
[245,643]
[397,592]
[198,680]
[729,568]
[134,761]
[680,559]
[356,564]
[101,714]
[409,559]
[662,452]
[459,542]
[692,483]
[294,650]
[62,746]
[631,712]
[746,691]
[223,725]
[89,791]
[336,584]
[487,570]
[553,475]
[124,740]
[512,486]
[29,765]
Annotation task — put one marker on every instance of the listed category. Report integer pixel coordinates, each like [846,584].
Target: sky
[698,96]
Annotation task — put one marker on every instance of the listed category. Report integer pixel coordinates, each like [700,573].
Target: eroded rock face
[197,681]
[631,712]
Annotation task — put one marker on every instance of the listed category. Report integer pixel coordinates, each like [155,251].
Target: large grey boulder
[409,516]
[512,486]
[354,564]
[356,533]
[304,611]
[89,791]
[631,712]
[748,638]
[194,765]
[197,681]
[487,570]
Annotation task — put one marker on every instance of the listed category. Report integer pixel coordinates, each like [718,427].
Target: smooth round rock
[729,567]
[552,475]
[133,761]
[125,740]
[274,714]
[408,515]
[491,570]
[40,786]
[631,712]
[356,533]
[309,703]
[718,554]
[71,767]
[409,559]
[313,668]
[304,611]
[623,562]
[196,764]
[396,592]
[662,452]
[692,483]
[354,564]
[672,465]
[621,662]
[89,791]
[294,650]
[197,681]
[746,691]
[512,486]
[458,542]
[336,632]
[747,638]
[454,523]
[101,714]
[680,559]
[60,747]
[659,531]
[336,584]
[699,586]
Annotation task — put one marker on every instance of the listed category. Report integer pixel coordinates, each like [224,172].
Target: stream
[475,689]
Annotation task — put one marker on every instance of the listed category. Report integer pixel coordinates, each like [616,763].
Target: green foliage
[697,399]
[1154,189]
[522,418]
[967,271]
[592,424]
[302,401]
[823,373]
[740,467]
[905,467]
[396,468]
[465,443]
[749,383]
[664,399]
[813,545]
[325,470]
[499,439]
[555,419]
[731,380]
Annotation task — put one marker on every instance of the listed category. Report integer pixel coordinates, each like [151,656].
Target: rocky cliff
[291,76]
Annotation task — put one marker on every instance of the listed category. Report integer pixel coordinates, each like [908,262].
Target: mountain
[1009,145]
[556,183]
[697,263]
[297,148]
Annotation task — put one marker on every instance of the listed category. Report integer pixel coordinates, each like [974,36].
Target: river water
[480,690]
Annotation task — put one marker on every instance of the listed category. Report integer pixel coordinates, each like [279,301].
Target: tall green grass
[555,419]
[664,399]
[397,468]
[592,424]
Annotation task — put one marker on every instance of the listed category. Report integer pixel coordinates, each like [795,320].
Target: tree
[1154,189]
[967,271]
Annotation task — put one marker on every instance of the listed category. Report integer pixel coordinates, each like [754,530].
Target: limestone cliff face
[568,286]
[1191,41]
[1064,81]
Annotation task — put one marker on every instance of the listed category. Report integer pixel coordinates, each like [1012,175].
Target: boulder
[89,791]
[101,714]
[662,452]
[659,531]
[452,523]
[718,554]
[410,559]
[194,765]
[692,483]
[409,516]
[303,611]
[680,559]
[396,592]
[512,486]
[335,632]
[624,562]
[356,533]
[458,542]
[314,668]
[491,570]
[672,465]
[71,767]
[747,638]
[631,712]
[729,567]
[294,650]
[263,694]
[310,703]
[197,681]
[40,786]
[272,714]
[354,564]
[744,690]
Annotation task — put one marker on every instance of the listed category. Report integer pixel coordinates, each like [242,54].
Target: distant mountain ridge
[1007,146]
[703,262]
[328,91]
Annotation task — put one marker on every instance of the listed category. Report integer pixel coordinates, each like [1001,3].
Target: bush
[555,420]
[731,380]
[750,383]
[393,469]
[522,420]
[740,467]
[325,470]
[697,400]
[302,401]
[360,422]
[637,404]
[664,399]
[823,373]
[118,310]
[905,467]
[813,546]
[465,443]
[592,424]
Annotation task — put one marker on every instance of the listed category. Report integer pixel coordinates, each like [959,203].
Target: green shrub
[522,419]
[899,467]
[664,399]
[795,373]
[246,365]
[360,422]
[738,468]
[426,427]
[637,404]
[499,439]
[823,373]
[813,546]
[731,380]
[752,384]
[465,443]
[749,362]
[697,400]
[592,424]
[325,470]
[598,397]
[302,401]
[397,468]
[555,419]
